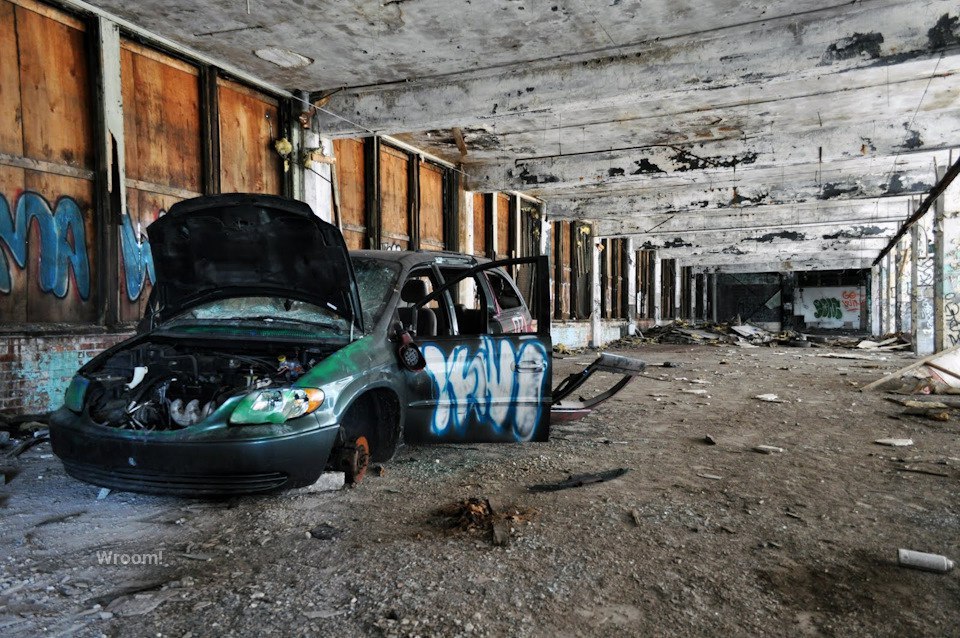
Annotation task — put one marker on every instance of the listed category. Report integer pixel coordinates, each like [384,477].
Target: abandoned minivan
[268,354]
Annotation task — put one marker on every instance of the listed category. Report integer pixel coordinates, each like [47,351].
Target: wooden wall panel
[480,224]
[562,258]
[431,207]
[161,118]
[394,207]
[249,125]
[11,132]
[351,183]
[503,225]
[54,89]
[48,263]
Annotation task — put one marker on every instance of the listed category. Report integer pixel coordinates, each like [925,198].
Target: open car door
[488,369]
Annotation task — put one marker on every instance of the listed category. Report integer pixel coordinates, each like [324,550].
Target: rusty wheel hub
[354,459]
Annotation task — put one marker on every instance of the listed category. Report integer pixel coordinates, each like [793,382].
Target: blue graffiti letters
[57,255]
[498,385]
[137,259]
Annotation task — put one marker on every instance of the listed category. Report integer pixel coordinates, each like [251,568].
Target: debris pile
[484,516]
[937,374]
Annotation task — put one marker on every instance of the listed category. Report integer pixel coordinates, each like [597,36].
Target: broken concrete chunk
[709,440]
[895,442]
[328,482]
[769,398]
[767,449]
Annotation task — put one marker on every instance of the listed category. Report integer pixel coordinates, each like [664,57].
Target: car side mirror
[408,351]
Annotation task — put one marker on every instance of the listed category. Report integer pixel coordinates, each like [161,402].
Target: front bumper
[224,466]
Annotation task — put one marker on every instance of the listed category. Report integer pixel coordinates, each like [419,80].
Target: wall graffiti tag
[827,308]
[497,384]
[63,243]
[137,259]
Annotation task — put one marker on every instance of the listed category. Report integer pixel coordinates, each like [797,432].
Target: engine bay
[158,386]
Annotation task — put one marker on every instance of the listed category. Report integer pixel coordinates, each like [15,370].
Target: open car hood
[247,244]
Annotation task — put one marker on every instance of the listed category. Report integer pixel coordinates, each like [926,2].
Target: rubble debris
[767,449]
[712,477]
[484,516]
[924,561]
[769,398]
[325,532]
[635,517]
[938,373]
[895,442]
[917,470]
[709,440]
[328,482]
[37,438]
[103,493]
[579,480]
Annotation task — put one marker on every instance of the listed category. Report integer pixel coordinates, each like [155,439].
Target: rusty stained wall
[351,183]
[249,123]
[504,249]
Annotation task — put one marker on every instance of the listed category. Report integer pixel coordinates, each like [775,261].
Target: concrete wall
[576,334]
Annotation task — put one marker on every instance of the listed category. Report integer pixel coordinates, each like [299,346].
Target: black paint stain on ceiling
[831,191]
[913,139]
[945,33]
[615,172]
[783,234]
[733,250]
[536,179]
[687,161]
[677,242]
[859,45]
[739,199]
[645,166]
[857,232]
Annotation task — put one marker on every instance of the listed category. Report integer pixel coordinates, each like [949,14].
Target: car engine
[164,387]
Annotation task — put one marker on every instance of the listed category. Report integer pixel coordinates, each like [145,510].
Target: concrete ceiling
[728,133]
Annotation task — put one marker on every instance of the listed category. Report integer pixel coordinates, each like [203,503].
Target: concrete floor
[695,539]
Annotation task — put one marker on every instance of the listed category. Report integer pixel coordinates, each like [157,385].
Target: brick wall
[35,370]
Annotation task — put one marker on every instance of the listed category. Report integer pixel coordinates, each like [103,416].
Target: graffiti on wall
[497,385]
[830,307]
[137,258]
[63,243]
[63,248]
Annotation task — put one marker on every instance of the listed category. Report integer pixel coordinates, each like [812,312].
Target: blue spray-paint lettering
[58,256]
[137,259]
[498,384]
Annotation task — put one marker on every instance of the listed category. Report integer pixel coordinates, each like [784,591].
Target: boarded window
[431,207]
[47,253]
[161,113]
[561,258]
[394,203]
[480,220]
[582,287]
[249,125]
[351,183]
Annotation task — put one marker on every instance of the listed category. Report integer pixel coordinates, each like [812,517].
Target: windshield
[263,316]
[376,280]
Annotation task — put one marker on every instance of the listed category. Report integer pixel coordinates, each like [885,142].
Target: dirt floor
[696,539]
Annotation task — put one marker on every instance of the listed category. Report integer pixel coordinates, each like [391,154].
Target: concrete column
[946,273]
[692,292]
[897,288]
[704,291]
[713,297]
[905,285]
[466,218]
[318,183]
[596,335]
[657,288]
[922,286]
[631,286]
[888,301]
[677,297]
[875,300]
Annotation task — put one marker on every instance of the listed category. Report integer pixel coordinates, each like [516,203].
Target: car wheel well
[375,414]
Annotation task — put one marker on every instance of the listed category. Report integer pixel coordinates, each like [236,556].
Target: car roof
[410,258]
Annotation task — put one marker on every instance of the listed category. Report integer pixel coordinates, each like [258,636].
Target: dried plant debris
[484,517]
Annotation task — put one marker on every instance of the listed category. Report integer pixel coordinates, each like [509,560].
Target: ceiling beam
[816,263]
[841,236]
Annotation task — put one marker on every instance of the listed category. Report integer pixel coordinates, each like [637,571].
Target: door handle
[528,366]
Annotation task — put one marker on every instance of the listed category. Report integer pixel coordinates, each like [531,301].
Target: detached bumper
[185,467]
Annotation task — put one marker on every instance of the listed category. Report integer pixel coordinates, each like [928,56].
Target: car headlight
[276,405]
[76,391]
